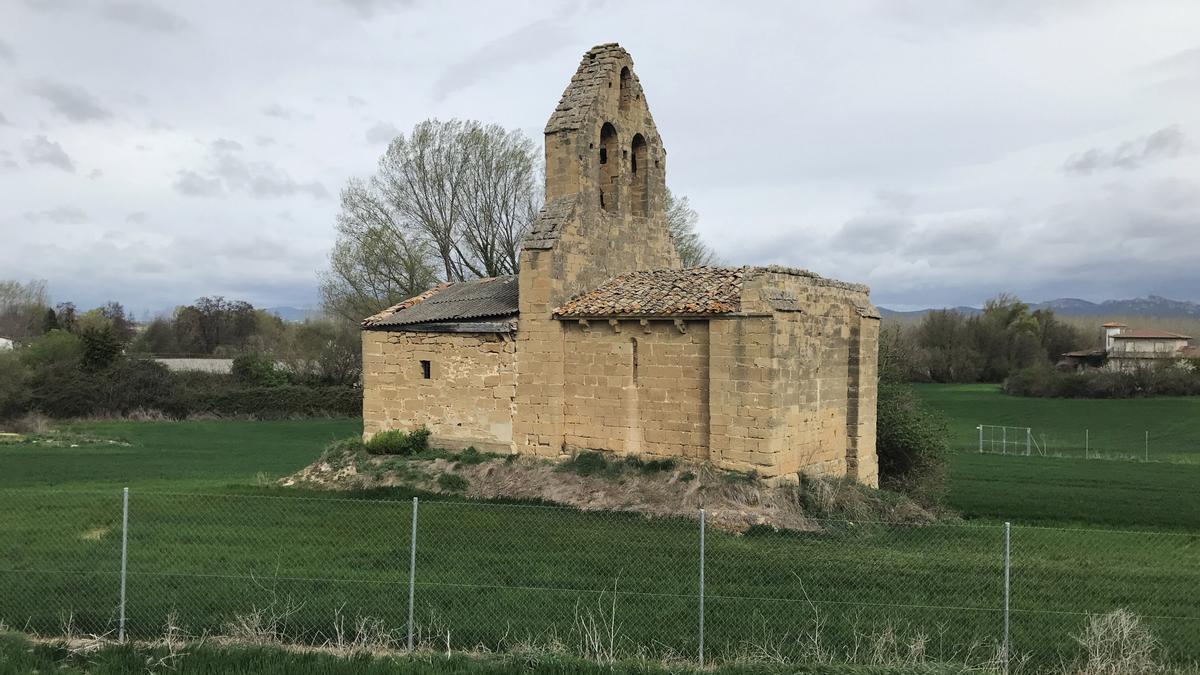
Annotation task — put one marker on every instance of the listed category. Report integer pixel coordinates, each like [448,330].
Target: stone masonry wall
[467,400]
[637,389]
[793,385]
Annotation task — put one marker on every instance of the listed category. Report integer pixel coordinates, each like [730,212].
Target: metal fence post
[1007,568]
[701,588]
[124,559]
[1028,441]
[412,572]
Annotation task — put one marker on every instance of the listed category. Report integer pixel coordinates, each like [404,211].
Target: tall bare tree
[451,200]
[22,309]
[681,221]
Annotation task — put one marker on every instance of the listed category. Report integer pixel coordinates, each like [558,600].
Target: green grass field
[1159,494]
[211,543]
[1112,427]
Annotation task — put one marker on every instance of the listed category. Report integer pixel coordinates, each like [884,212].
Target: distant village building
[1127,349]
[604,342]
[6,344]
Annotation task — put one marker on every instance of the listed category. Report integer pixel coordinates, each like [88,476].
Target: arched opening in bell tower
[609,169]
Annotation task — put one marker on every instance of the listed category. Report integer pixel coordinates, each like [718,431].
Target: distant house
[6,344]
[1128,349]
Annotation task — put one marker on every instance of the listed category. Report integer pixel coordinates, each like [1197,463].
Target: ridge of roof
[453,301]
[694,291]
[1150,334]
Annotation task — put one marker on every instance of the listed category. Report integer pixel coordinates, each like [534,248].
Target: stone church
[603,341]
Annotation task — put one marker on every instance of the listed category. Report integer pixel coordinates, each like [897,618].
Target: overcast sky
[939,151]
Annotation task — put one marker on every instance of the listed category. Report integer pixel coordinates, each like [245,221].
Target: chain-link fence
[470,575]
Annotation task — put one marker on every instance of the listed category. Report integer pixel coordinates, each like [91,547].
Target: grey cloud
[137,217]
[873,233]
[282,112]
[6,53]
[229,172]
[1186,60]
[62,215]
[262,180]
[224,144]
[8,164]
[355,102]
[42,150]
[1165,143]
[529,43]
[193,184]
[381,132]
[48,6]
[953,237]
[71,101]
[898,200]
[3,119]
[144,15]
[368,8]
[95,173]
[264,141]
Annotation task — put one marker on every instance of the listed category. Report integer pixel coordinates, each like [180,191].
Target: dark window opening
[639,194]
[425,370]
[604,155]
[635,360]
[626,89]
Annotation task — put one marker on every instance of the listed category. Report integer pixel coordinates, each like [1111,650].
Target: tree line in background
[949,346]
[99,362]
[448,202]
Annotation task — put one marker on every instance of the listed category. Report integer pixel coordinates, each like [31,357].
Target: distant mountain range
[1152,305]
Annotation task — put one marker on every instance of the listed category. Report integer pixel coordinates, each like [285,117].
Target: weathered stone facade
[617,348]
[467,400]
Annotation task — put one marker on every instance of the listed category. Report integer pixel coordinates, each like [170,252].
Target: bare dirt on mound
[733,502]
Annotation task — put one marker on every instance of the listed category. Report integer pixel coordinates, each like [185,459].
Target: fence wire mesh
[596,584]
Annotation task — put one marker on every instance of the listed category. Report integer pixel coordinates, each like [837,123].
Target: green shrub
[57,346]
[1175,379]
[139,385]
[589,463]
[452,482]
[228,398]
[101,348]
[63,390]
[396,442]
[14,392]
[257,370]
[913,445]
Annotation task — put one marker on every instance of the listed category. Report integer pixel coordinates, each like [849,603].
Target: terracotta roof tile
[697,291]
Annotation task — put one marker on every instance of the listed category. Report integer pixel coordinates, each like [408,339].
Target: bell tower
[605,215]
[601,142]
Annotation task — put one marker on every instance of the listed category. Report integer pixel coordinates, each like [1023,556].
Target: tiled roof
[493,297]
[545,229]
[689,292]
[1112,324]
[1150,335]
